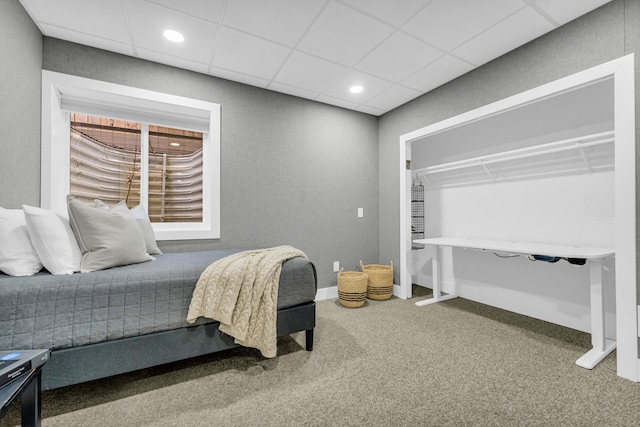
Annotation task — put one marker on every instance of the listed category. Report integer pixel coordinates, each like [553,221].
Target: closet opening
[554,165]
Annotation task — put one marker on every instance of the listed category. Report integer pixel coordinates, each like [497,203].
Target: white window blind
[134,109]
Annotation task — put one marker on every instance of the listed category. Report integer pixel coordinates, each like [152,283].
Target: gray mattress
[55,312]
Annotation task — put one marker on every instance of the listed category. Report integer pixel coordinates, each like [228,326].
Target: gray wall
[293,171]
[21,53]
[605,34]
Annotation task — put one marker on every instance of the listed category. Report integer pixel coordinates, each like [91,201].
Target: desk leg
[437,294]
[31,403]
[601,345]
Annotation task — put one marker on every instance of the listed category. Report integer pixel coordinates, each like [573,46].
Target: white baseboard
[569,316]
[327,293]
[396,290]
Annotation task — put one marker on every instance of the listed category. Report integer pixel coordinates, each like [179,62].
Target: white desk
[601,346]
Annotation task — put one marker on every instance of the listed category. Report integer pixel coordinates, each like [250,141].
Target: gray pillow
[144,223]
[141,216]
[107,238]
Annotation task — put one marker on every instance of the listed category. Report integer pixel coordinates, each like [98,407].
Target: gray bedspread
[47,311]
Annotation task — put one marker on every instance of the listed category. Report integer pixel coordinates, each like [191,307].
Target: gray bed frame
[78,357]
[90,362]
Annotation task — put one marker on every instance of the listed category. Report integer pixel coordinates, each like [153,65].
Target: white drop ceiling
[396,50]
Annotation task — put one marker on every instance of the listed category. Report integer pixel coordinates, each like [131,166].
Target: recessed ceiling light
[356,89]
[173,36]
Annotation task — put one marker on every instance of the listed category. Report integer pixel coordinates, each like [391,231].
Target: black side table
[20,377]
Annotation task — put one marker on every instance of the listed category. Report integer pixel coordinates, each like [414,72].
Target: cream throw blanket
[241,292]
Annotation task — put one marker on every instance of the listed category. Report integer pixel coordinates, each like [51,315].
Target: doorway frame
[622,72]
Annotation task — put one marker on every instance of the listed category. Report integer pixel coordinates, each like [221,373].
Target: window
[112,142]
[107,161]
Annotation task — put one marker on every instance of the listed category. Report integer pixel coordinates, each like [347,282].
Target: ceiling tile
[343,35]
[335,101]
[308,72]
[211,10]
[149,21]
[290,90]
[259,57]
[442,70]
[509,34]
[313,48]
[372,86]
[398,57]
[395,13]
[393,98]
[238,77]
[449,23]
[95,17]
[567,10]
[151,55]
[87,40]
[281,21]
[370,110]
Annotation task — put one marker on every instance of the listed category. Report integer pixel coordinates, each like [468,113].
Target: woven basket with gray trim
[352,288]
[380,285]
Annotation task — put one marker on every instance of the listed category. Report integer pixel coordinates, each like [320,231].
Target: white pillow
[18,257]
[53,240]
[107,238]
[141,216]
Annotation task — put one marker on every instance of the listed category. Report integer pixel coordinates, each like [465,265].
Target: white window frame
[59,91]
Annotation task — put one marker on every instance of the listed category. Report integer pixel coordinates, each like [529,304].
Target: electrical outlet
[336,266]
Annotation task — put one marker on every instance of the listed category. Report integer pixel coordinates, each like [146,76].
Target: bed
[132,317]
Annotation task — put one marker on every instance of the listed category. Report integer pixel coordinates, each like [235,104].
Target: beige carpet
[388,363]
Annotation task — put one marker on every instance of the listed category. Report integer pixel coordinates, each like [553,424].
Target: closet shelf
[496,167]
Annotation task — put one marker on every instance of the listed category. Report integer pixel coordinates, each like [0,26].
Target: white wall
[569,210]
[575,210]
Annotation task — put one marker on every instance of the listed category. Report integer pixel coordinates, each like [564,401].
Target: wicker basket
[380,286]
[352,288]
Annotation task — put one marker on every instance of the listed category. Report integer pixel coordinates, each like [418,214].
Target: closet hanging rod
[485,161]
[542,149]
[523,176]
